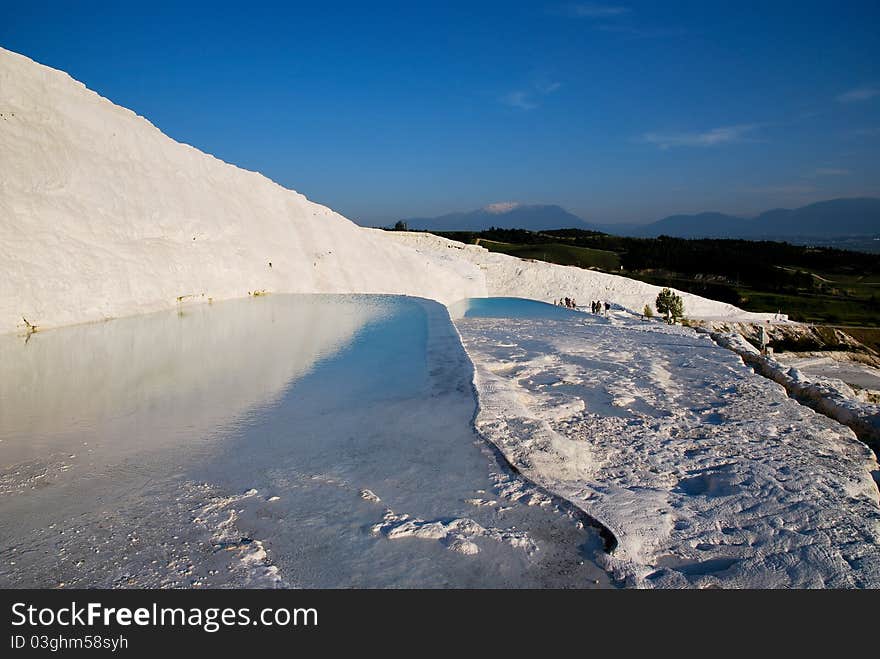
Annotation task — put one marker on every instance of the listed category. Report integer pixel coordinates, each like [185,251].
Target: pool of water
[315,441]
[508,307]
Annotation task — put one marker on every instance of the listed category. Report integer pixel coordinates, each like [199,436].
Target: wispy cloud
[614,19]
[548,87]
[863,93]
[519,99]
[593,10]
[501,207]
[527,99]
[642,32]
[712,137]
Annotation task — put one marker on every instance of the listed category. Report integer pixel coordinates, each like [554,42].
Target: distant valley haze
[835,218]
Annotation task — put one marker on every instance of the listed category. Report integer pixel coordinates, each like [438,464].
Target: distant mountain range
[833,218]
[824,219]
[506,215]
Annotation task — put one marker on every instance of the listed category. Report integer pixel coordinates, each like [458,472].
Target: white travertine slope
[705,474]
[509,276]
[102,215]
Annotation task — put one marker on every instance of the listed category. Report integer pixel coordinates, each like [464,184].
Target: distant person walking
[607,309]
[765,339]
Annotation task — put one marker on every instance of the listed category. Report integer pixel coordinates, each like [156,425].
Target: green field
[582,257]
[810,284]
[827,304]
[811,308]
[834,297]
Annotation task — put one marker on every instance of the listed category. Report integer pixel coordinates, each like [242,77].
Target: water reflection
[319,441]
[160,378]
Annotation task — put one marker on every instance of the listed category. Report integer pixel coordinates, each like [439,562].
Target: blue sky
[624,111]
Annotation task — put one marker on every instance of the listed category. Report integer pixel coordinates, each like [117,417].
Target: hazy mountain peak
[503,215]
[501,207]
[830,218]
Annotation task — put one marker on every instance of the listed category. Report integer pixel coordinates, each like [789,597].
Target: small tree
[400,225]
[648,312]
[670,305]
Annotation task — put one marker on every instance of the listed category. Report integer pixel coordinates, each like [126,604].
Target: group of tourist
[597,306]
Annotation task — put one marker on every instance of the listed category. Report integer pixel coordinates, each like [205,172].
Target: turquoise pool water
[509,307]
[315,441]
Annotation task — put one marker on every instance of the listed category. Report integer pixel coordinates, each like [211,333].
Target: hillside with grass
[809,284]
